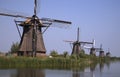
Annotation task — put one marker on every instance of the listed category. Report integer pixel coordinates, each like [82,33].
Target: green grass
[29,62]
[70,62]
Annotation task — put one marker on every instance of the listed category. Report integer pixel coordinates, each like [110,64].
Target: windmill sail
[13,15]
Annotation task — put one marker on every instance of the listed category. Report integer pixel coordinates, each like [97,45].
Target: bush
[65,54]
[53,53]
[14,47]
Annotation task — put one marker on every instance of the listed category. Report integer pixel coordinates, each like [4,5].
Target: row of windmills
[32,42]
[100,50]
[78,46]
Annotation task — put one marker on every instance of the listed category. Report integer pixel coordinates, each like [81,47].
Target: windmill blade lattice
[55,22]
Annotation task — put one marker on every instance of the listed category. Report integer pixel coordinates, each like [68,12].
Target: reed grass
[29,62]
[55,62]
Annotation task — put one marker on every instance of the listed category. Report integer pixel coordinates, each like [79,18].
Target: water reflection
[82,74]
[29,73]
[101,65]
[92,69]
[95,70]
[108,64]
[76,74]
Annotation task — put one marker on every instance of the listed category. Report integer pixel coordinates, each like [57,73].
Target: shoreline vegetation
[56,62]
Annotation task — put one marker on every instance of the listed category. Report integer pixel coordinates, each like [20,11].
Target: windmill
[76,49]
[108,54]
[101,51]
[93,50]
[32,43]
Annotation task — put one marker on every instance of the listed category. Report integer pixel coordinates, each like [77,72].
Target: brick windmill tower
[32,42]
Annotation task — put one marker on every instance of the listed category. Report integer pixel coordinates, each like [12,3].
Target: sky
[97,19]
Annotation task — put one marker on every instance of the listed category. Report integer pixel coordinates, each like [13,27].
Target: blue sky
[97,19]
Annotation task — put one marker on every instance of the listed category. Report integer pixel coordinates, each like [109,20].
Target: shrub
[14,47]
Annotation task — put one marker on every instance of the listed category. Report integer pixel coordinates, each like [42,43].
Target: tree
[53,53]
[82,51]
[82,54]
[65,54]
[14,47]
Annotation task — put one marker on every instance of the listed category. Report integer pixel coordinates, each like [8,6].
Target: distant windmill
[101,51]
[108,54]
[93,50]
[32,43]
[76,49]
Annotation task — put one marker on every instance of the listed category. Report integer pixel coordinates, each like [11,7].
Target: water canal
[100,70]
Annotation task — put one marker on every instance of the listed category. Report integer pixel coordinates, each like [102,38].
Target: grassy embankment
[69,62]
